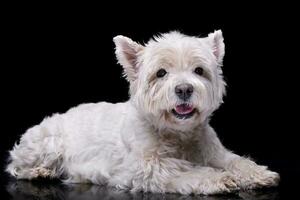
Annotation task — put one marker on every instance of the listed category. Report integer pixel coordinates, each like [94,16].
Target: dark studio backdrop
[56,59]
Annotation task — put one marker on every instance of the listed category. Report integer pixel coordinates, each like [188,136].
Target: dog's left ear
[127,52]
[216,41]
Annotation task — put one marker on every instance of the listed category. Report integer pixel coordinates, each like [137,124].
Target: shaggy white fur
[158,141]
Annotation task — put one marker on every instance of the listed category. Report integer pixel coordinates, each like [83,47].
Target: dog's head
[175,80]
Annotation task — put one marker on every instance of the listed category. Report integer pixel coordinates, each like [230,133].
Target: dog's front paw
[210,183]
[259,178]
[251,175]
[217,183]
[223,183]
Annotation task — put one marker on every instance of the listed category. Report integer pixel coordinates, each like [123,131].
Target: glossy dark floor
[45,190]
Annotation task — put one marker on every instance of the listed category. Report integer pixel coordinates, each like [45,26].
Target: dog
[158,141]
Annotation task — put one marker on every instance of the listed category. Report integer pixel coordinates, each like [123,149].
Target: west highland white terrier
[159,141]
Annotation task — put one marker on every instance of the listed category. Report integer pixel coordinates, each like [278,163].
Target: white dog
[158,141]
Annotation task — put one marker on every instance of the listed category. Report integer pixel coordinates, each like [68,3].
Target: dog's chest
[186,149]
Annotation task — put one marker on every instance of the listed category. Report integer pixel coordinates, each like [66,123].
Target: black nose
[184,91]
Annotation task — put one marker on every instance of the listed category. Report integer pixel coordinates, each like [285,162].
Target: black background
[56,57]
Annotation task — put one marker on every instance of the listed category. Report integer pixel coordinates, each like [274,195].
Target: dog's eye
[199,71]
[161,73]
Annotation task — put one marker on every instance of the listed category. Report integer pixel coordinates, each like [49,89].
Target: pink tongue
[183,109]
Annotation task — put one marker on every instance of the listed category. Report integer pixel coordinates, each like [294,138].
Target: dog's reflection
[44,191]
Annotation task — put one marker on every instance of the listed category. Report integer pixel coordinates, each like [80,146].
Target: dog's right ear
[127,52]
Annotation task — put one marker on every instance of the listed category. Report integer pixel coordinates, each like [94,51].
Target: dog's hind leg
[39,152]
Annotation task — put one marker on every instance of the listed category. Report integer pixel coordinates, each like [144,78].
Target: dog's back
[61,143]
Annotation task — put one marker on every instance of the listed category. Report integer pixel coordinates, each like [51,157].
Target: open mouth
[183,111]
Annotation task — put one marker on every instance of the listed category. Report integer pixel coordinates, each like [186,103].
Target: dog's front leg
[248,174]
[179,176]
